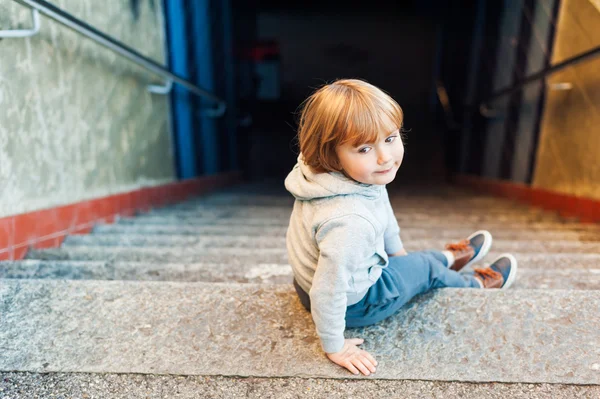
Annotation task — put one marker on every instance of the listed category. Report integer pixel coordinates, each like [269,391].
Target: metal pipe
[545,72]
[35,17]
[84,29]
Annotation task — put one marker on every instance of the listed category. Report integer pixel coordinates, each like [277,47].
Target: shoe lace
[486,273]
[458,246]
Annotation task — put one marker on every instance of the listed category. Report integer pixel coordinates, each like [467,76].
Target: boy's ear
[337,165]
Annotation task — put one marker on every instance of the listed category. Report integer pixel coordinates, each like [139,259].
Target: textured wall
[76,121]
[568,159]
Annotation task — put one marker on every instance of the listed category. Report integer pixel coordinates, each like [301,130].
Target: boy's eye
[390,139]
[364,150]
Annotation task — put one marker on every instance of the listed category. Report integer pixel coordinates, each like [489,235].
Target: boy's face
[373,163]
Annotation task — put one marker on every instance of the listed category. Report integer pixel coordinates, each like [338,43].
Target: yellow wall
[568,159]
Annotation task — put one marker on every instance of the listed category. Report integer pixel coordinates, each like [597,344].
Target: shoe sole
[512,275]
[485,248]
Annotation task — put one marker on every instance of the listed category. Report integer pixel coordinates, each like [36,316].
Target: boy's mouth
[383,172]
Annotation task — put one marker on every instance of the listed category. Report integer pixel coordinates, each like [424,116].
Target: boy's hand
[402,252]
[354,358]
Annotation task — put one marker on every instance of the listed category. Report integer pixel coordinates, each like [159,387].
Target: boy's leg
[404,278]
[418,272]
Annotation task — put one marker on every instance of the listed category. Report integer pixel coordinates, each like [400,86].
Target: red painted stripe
[47,228]
[586,209]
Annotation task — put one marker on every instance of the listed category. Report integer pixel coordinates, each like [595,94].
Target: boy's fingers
[368,363]
[363,369]
[356,341]
[351,367]
[371,358]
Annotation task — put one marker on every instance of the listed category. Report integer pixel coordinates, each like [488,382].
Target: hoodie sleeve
[344,243]
[391,237]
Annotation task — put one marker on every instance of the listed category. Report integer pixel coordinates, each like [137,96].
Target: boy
[350,267]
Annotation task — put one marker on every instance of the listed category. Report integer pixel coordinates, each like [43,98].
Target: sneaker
[500,274]
[471,250]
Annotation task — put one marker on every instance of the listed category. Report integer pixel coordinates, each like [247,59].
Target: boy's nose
[384,158]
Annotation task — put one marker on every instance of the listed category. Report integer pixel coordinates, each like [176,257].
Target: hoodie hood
[304,184]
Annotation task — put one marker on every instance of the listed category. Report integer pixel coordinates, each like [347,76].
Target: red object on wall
[47,228]
[586,209]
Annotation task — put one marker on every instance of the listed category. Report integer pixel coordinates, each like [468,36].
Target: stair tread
[126,386]
[248,241]
[266,273]
[255,330]
[160,254]
[284,219]
[408,233]
[475,222]
[175,229]
[263,255]
[202,288]
[248,211]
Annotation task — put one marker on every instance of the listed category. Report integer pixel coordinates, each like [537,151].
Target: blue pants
[404,278]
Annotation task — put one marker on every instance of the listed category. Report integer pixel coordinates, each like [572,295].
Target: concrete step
[259,199]
[408,233]
[499,233]
[566,279]
[524,336]
[395,198]
[400,209]
[158,220]
[127,386]
[278,190]
[266,273]
[441,224]
[265,255]
[160,254]
[407,214]
[424,203]
[253,211]
[246,200]
[225,210]
[413,219]
[221,211]
[147,271]
[400,215]
[176,229]
[243,242]
[147,240]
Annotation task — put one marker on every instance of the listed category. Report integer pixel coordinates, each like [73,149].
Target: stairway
[195,300]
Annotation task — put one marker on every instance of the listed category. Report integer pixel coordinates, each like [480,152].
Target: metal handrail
[99,37]
[445,102]
[585,56]
[12,33]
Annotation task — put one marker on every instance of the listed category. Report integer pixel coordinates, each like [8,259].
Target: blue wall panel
[203,53]
[182,109]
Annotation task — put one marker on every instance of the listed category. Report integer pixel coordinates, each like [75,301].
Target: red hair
[345,111]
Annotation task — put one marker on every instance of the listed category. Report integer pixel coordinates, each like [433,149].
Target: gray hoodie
[338,239]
